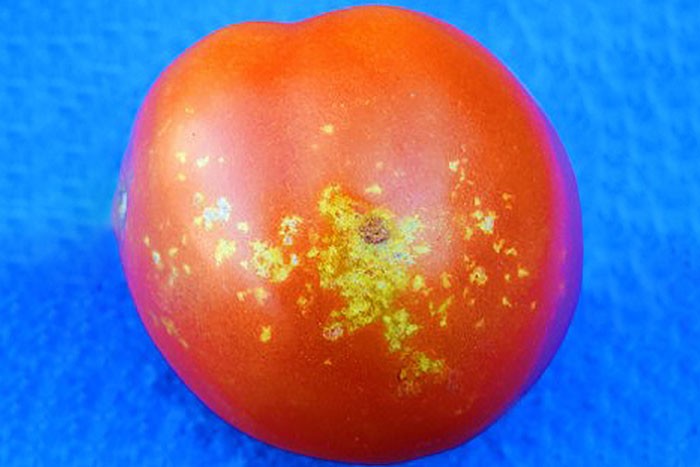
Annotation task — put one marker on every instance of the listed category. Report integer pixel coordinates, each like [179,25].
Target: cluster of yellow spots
[367,260]
[397,328]
[419,365]
[458,167]
[259,293]
[327,129]
[289,227]
[479,221]
[170,328]
[159,260]
[441,310]
[269,263]
[305,300]
[485,220]
[225,249]
[220,212]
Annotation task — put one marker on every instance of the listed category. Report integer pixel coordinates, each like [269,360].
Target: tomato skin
[355,237]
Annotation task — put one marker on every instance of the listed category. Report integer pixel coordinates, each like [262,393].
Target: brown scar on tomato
[374,231]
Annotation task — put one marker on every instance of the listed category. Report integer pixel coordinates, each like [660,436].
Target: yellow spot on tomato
[374,189]
[498,246]
[421,249]
[453,165]
[244,264]
[156,259]
[266,334]
[261,295]
[486,221]
[511,251]
[441,310]
[478,276]
[477,201]
[522,272]
[241,295]
[202,162]
[468,233]
[172,276]
[224,250]
[189,110]
[418,282]
[243,227]
[445,280]
[187,269]
[181,177]
[172,252]
[181,156]
[507,276]
[506,302]
[328,129]
[333,332]
[312,253]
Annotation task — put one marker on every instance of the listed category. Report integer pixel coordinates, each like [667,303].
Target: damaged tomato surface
[355,237]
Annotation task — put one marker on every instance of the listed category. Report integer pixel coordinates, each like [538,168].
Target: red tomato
[354,237]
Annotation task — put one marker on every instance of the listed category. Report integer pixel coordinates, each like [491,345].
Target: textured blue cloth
[82,384]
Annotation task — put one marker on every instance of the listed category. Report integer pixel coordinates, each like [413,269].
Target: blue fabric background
[82,384]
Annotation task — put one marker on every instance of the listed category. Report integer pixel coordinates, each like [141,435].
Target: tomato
[355,237]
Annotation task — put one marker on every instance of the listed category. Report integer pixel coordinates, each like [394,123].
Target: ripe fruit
[354,237]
